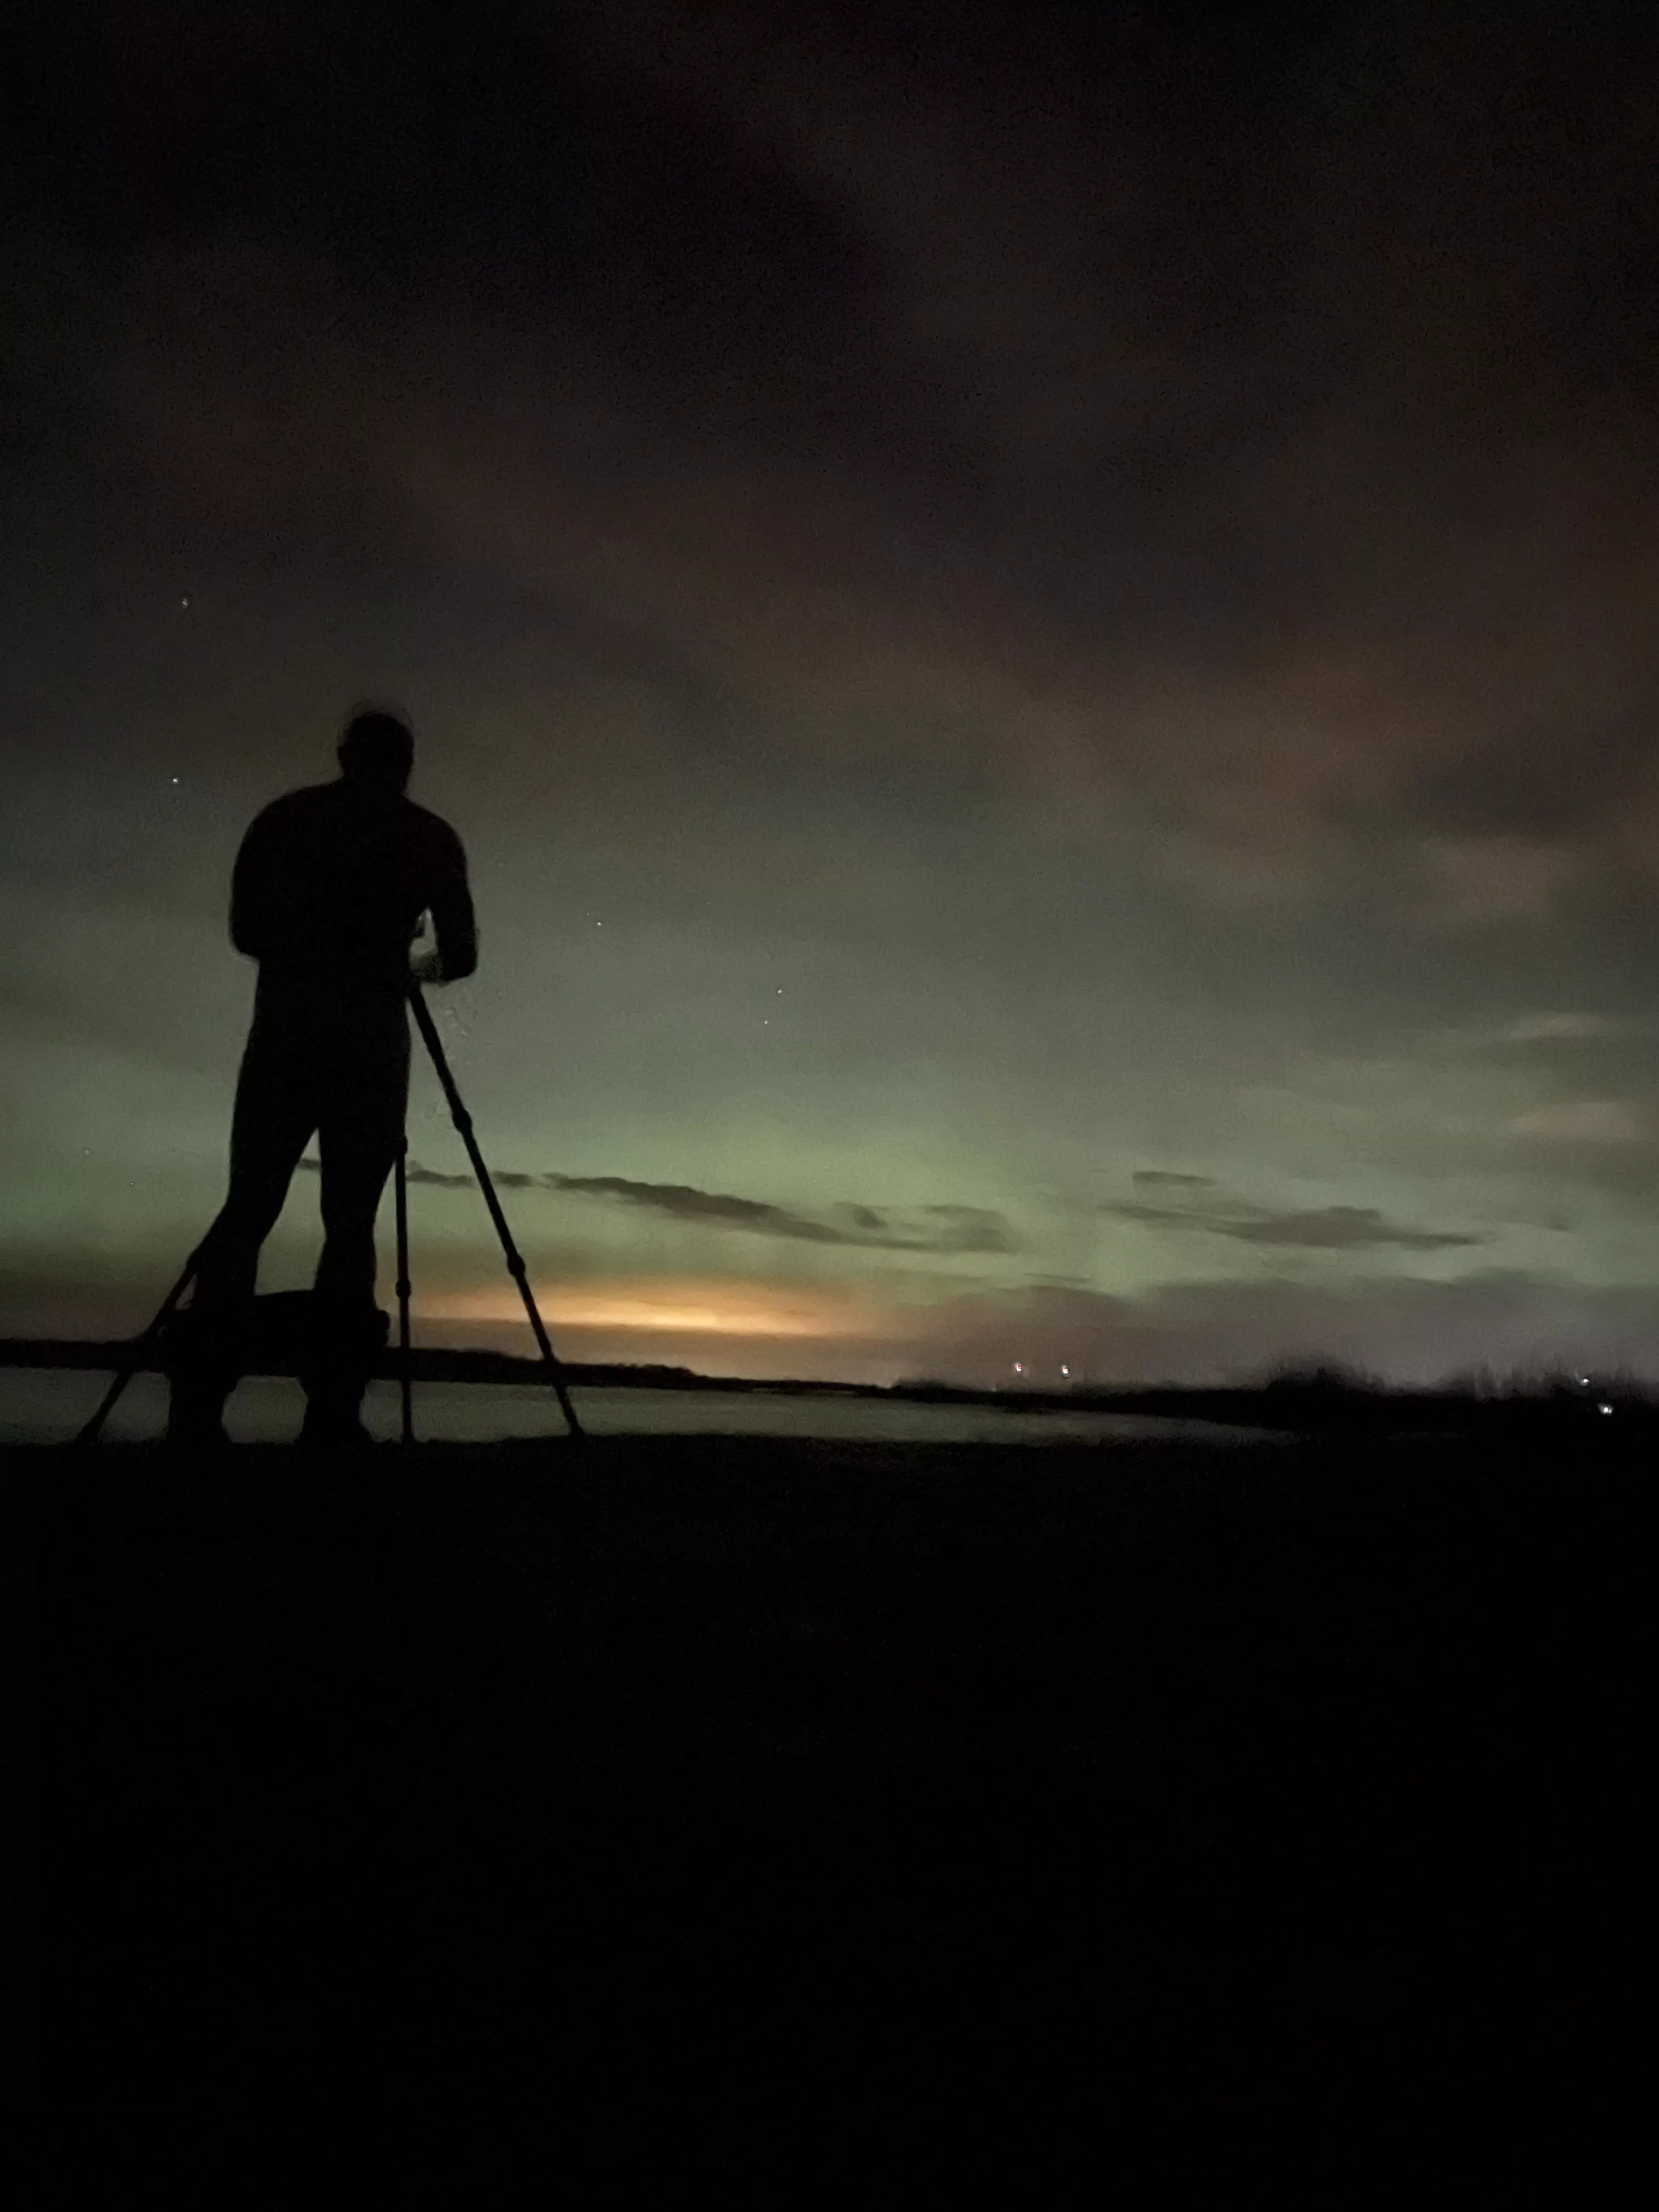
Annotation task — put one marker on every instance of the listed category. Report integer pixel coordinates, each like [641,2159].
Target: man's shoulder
[434,833]
[322,807]
[293,807]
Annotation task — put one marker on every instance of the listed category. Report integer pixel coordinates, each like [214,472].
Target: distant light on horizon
[689,1308]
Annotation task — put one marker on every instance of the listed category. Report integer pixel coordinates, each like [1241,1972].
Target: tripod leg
[141,1350]
[401,1192]
[515,1266]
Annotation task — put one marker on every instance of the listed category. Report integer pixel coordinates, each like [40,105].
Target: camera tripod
[144,1345]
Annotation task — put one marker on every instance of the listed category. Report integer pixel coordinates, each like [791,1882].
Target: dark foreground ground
[1025,1771]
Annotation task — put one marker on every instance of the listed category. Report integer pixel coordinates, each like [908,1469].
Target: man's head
[377,751]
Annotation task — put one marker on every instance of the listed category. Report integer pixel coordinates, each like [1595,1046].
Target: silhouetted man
[329,887]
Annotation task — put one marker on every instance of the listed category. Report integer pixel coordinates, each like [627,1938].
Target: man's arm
[250,894]
[454,923]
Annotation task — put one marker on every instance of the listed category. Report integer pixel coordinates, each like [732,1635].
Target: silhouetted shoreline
[1317,1402]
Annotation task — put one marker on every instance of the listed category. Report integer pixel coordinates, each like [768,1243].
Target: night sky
[1040,625]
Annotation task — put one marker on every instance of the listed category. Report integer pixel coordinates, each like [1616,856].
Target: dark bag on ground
[285,1332]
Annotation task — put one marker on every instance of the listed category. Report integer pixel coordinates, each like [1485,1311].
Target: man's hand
[427,967]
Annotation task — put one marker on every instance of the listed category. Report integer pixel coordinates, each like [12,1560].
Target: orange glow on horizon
[671,1307]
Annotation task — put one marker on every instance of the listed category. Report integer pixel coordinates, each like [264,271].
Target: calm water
[48,1405]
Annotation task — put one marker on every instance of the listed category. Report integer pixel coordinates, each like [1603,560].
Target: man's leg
[360,1132]
[275,1114]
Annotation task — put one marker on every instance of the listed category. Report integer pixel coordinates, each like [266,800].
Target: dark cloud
[1247,427]
[1293,386]
[1327,1229]
[1168,1179]
[967,1229]
[434,1177]
[440,1179]
[942,1229]
[931,1229]
[1342,1228]
[1567,777]
[719,1209]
